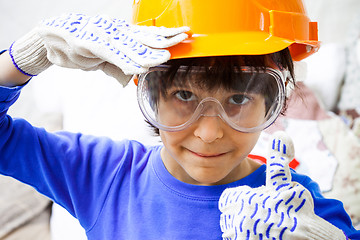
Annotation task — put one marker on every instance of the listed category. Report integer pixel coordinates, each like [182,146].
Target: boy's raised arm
[9,75]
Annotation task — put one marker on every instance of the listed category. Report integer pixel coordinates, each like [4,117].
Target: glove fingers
[164,42]
[282,145]
[71,22]
[121,60]
[281,152]
[104,52]
[86,52]
[140,53]
[161,31]
[159,37]
[122,40]
[116,73]
[72,60]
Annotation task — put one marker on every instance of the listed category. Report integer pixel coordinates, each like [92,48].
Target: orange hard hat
[233,27]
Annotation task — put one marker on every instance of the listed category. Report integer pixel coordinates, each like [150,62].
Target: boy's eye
[239,99]
[185,95]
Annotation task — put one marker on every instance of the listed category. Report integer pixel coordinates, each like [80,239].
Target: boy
[208,105]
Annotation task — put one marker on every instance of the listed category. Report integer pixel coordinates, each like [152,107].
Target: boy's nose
[209,128]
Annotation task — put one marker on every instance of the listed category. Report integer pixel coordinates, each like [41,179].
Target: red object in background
[293,164]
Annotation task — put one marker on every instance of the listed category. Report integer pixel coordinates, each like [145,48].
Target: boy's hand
[281,209]
[90,43]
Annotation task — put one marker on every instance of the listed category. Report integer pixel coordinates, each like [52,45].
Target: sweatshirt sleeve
[74,170]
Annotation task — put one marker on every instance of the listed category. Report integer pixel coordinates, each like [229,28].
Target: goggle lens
[172,100]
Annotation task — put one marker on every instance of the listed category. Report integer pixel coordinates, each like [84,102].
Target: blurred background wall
[19,16]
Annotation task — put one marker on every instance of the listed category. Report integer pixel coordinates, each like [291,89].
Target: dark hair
[224,66]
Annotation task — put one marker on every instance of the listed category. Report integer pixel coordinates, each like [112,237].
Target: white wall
[334,18]
[19,16]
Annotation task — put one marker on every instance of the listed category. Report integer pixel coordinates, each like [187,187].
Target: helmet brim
[242,43]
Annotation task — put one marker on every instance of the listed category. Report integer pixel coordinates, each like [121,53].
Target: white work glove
[91,43]
[281,209]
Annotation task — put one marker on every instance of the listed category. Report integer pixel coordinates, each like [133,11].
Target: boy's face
[209,152]
[197,123]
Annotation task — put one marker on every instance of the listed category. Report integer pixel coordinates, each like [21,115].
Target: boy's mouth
[207,155]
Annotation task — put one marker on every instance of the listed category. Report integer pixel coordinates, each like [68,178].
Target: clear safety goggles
[172,101]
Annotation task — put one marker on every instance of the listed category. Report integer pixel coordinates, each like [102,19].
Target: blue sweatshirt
[122,190]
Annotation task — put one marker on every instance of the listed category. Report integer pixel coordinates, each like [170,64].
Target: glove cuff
[29,54]
[320,229]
